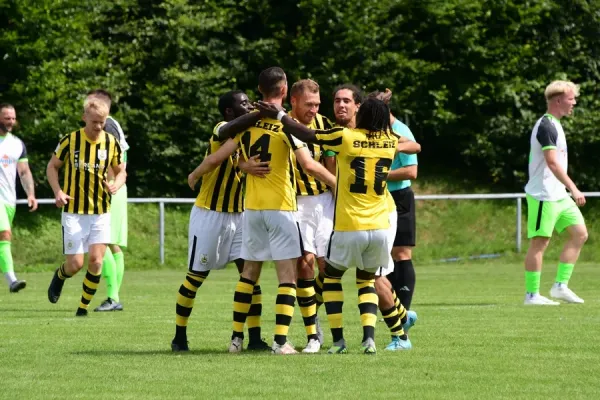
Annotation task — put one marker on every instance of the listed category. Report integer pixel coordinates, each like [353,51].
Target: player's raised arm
[235,107]
[290,125]
[232,128]
[407,146]
[211,162]
[314,168]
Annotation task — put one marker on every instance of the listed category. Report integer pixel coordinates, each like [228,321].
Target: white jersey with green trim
[114,128]
[547,134]
[12,151]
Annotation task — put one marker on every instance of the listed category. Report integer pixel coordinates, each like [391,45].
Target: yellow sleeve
[62,150]
[330,139]
[243,138]
[215,134]
[117,158]
[293,142]
[327,124]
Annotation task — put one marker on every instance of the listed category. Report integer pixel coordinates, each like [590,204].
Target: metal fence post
[519,220]
[161,231]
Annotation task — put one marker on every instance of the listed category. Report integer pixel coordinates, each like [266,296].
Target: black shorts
[406,230]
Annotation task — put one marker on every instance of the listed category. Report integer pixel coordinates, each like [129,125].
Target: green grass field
[474,339]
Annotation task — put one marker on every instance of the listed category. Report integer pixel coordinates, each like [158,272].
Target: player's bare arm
[407,146]
[120,177]
[212,162]
[54,165]
[28,185]
[562,176]
[290,125]
[232,128]
[253,166]
[314,168]
[329,163]
[403,173]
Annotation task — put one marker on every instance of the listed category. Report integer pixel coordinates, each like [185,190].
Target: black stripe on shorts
[538,221]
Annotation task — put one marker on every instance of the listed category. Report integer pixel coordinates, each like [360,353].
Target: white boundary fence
[500,196]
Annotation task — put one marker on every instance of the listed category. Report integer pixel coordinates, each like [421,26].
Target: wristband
[280,115]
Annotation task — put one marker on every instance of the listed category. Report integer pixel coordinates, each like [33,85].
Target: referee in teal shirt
[403,170]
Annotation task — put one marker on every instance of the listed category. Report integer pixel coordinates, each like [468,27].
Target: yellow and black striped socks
[319,289]
[333,297]
[62,275]
[400,307]
[284,311]
[90,285]
[392,320]
[254,314]
[308,306]
[185,302]
[242,301]
[367,304]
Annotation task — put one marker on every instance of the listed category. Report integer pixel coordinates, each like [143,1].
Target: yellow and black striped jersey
[277,190]
[307,185]
[86,168]
[221,189]
[363,162]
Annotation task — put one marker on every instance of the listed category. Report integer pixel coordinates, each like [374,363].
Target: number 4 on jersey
[260,147]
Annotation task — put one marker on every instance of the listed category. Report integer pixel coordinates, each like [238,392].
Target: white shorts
[79,231]
[270,235]
[315,218]
[385,270]
[214,239]
[366,250]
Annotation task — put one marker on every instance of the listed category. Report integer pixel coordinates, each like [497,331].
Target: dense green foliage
[467,75]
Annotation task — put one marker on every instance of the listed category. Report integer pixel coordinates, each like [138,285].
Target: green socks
[563,273]
[109,273]
[532,281]
[120,264]
[6,260]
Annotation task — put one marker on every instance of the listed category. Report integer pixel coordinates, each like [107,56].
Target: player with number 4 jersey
[269,227]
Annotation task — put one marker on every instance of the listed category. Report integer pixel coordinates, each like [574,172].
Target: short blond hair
[304,85]
[557,88]
[93,103]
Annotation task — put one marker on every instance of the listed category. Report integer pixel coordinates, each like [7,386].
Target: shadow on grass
[457,305]
[145,353]
[28,310]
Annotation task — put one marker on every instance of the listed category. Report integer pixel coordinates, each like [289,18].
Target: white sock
[10,277]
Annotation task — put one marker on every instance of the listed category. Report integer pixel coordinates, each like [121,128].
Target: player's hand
[61,199]
[255,167]
[110,187]
[385,96]
[192,181]
[578,197]
[268,110]
[32,203]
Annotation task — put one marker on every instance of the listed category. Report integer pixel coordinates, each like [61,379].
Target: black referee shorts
[406,230]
